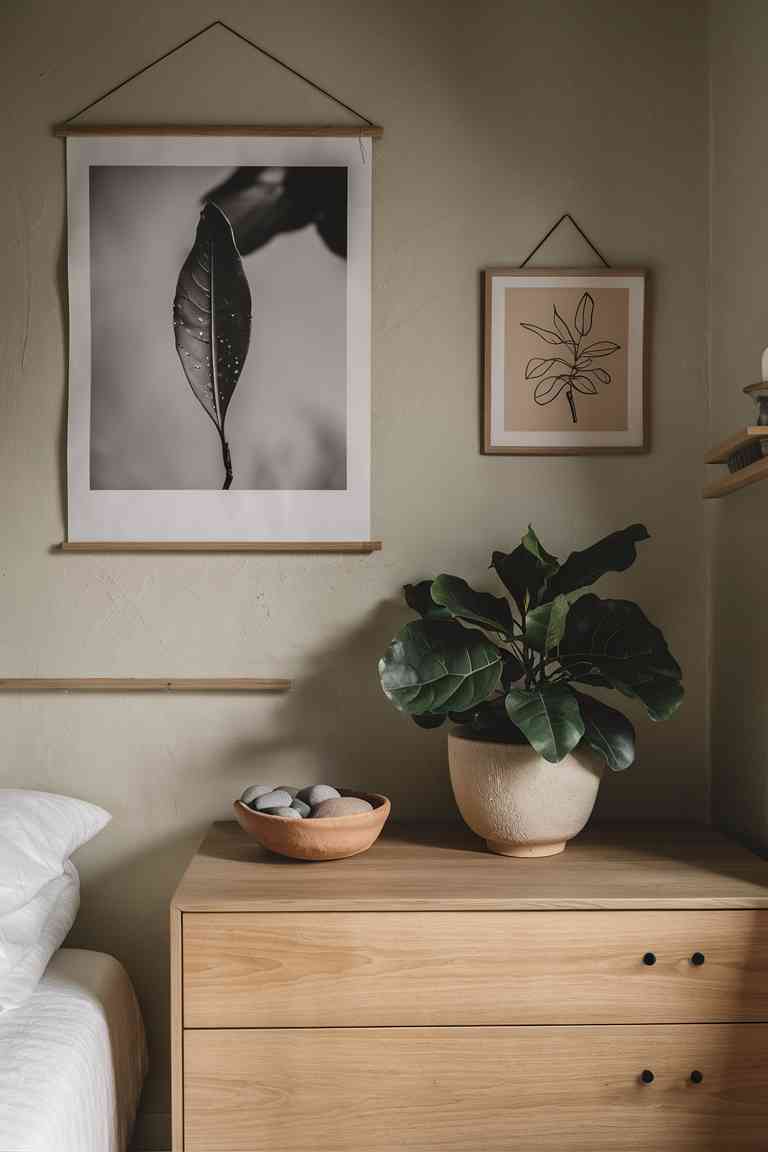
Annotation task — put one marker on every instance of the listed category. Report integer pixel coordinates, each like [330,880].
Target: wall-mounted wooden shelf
[735,480]
[142,684]
[351,547]
[720,453]
[744,476]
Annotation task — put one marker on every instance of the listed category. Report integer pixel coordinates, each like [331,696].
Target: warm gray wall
[498,117]
[739,332]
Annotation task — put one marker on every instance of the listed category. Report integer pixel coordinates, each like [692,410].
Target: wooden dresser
[429,995]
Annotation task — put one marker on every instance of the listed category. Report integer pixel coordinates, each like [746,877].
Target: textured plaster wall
[739,332]
[497,117]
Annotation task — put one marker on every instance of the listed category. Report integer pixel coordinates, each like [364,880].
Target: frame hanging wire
[239,36]
[555,226]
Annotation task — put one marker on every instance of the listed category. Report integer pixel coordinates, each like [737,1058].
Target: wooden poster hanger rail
[69,128]
[350,547]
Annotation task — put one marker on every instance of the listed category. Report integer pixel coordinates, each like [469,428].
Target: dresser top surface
[444,867]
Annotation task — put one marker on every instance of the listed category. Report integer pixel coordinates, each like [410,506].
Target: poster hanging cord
[245,40]
[555,226]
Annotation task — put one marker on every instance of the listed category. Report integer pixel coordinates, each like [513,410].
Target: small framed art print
[564,361]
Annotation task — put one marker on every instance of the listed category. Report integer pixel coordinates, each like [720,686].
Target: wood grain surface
[143,684]
[391,968]
[490,1089]
[444,867]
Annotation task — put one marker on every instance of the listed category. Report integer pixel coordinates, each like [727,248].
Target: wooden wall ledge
[142,684]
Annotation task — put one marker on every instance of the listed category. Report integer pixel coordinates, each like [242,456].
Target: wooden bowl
[332,838]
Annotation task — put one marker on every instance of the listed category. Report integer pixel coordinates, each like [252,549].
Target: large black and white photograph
[219,375]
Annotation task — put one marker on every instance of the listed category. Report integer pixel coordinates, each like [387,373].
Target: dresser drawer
[423,1089]
[394,968]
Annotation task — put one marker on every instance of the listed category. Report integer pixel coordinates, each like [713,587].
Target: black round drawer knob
[696,1077]
[649,958]
[697,959]
[647,1076]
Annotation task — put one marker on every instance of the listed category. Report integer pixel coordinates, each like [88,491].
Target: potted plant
[529,744]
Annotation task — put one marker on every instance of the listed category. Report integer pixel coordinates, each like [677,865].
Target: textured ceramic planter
[518,802]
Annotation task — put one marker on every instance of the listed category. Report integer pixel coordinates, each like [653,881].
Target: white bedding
[72,1059]
[30,936]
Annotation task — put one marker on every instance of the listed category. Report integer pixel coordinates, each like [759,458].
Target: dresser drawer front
[393,968]
[343,1090]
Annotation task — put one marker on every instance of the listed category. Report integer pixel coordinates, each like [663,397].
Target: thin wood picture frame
[539,326]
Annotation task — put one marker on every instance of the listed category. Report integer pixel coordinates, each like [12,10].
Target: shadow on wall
[61,439]
[342,730]
[336,725]
[126,913]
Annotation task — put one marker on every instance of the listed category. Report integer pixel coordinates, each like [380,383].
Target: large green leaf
[462,601]
[607,732]
[429,720]
[616,640]
[489,721]
[545,625]
[549,717]
[511,671]
[418,597]
[521,574]
[439,666]
[614,553]
[661,697]
[524,571]
[531,542]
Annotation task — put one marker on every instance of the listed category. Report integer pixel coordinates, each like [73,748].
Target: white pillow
[31,935]
[39,831]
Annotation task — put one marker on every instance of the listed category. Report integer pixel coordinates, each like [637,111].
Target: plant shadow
[336,726]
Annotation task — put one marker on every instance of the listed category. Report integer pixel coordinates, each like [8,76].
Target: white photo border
[204,516]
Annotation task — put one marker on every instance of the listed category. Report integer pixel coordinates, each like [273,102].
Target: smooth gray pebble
[253,791]
[302,808]
[315,794]
[275,799]
[286,813]
[343,806]
[289,788]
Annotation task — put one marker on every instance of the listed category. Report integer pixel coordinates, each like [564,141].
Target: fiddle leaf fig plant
[514,668]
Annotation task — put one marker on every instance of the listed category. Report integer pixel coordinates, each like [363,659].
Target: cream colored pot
[518,802]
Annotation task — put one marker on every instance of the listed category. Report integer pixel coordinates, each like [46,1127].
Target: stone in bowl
[314,794]
[340,806]
[333,838]
[277,798]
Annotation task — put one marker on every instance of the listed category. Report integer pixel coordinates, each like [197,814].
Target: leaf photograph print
[212,320]
[219,327]
[571,370]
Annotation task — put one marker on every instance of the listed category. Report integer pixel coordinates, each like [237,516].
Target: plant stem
[569,391]
[227,458]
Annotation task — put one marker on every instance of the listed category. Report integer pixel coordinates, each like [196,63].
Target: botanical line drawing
[555,374]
